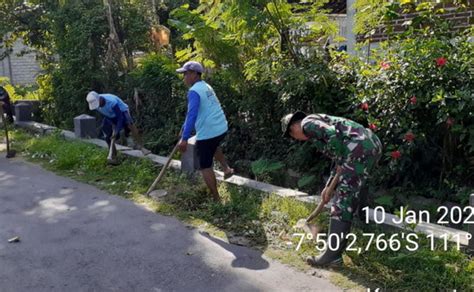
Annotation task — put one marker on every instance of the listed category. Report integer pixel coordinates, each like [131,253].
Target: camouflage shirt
[336,137]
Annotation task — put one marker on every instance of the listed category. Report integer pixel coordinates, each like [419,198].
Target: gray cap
[191,66]
[289,119]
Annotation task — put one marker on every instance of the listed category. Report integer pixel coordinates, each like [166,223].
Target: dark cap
[289,119]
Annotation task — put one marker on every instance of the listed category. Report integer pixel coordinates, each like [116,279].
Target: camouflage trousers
[356,168]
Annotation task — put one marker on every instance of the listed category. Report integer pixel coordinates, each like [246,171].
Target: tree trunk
[115,51]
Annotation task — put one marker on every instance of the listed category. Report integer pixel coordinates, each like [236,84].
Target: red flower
[373,127]
[413,100]
[409,137]
[384,65]
[396,154]
[440,62]
[364,106]
[450,122]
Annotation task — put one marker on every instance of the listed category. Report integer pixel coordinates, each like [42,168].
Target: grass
[261,220]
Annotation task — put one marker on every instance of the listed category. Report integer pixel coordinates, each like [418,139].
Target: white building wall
[20,69]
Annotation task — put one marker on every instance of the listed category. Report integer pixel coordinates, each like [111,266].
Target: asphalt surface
[74,237]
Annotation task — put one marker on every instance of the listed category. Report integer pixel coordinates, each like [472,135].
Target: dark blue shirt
[118,120]
[191,116]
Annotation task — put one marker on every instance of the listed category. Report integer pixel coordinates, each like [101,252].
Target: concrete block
[85,127]
[190,159]
[35,108]
[23,112]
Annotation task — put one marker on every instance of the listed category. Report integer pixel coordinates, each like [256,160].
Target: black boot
[333,257]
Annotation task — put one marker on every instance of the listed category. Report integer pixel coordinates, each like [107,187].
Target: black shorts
[206,150]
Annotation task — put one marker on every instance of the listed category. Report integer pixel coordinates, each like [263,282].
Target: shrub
[417,96]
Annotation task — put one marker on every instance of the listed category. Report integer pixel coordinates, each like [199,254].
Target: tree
[75,41]
[251,36]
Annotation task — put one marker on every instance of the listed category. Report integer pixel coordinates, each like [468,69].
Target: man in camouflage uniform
[355,150]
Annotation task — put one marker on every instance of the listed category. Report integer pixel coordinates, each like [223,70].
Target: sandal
[229,174]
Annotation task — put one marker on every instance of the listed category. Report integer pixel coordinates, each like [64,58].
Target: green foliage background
[265,59]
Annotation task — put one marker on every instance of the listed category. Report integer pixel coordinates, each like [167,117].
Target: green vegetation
[19,92]
[253,218]
[416,95]
[266,58]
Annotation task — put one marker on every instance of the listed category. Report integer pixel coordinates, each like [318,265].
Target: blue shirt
[113,109]
[205,113]
[110,102]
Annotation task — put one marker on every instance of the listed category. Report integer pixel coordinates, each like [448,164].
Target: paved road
[75,237]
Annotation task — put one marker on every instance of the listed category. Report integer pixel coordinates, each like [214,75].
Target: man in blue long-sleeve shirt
[205,115]
[116,118]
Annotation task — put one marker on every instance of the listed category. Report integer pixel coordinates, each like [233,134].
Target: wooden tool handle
[111,149]
[330,190]
[162,172]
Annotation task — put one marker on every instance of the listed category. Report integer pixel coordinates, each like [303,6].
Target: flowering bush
[417,95]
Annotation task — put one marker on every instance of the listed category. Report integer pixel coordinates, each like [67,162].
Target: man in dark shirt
[5,101]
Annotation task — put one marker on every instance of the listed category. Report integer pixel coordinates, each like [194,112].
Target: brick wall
[21,70]
[459,19]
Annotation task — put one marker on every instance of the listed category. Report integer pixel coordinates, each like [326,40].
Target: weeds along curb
[438,231]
